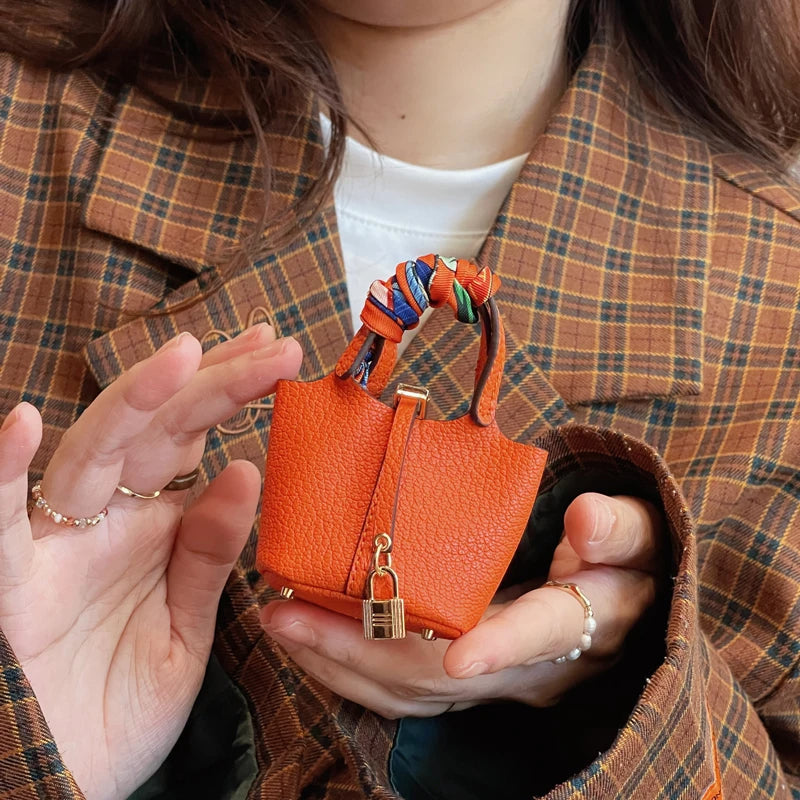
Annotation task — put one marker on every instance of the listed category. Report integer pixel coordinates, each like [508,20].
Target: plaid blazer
[650,294]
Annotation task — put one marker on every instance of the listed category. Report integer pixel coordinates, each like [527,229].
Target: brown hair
[729,67]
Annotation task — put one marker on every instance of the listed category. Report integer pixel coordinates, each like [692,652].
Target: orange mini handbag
[376,512]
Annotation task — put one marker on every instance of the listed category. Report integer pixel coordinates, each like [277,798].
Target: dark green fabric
[462,755]
[214,758]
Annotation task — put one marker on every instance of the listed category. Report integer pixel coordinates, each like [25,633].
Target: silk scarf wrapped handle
[396,305]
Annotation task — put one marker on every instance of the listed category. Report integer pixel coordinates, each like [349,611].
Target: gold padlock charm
[384,619]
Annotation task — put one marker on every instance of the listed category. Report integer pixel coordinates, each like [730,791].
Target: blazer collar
[189,195]
[602,245]
[188,192]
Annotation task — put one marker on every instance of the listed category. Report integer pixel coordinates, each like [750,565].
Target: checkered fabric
[650,290]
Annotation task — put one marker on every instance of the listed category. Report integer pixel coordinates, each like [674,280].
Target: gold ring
[140,495]
[589,622]
[178,483]
[181,482]
[64,519]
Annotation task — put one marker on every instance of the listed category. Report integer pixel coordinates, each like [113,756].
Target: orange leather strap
[382,510]
[491,361]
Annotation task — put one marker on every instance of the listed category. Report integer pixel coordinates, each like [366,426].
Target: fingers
[211,536]
[150,424]
[495,659]
[355,686]
[215,394]
[341,639]
[536,627]
[392,677]
[20,436]
[548,622]
[622,531]
[219,391]
[86,466]
[252,338]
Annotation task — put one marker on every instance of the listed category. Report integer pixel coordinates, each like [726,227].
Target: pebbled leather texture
[342,467]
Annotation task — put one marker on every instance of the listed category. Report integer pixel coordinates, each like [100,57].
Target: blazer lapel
[602,246]
[188,196]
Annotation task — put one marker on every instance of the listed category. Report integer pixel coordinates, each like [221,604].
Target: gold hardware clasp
[383,619]
[415,393]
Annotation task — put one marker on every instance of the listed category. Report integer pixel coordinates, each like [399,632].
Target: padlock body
[384,619]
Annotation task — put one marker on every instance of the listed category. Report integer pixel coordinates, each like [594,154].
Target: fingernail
[604,519]
[268,612]
[174,341]
[296,632]
[255,331]
[476,668]
[272,349]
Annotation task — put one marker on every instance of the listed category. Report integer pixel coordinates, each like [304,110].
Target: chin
[405,13]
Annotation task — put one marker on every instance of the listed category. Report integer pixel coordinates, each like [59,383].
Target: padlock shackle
[380,572]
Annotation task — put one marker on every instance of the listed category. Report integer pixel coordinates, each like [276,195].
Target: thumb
[619,531]
[212,534]
[537,626]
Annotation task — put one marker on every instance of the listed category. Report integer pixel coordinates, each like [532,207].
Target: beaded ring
[589,622]
[63,519]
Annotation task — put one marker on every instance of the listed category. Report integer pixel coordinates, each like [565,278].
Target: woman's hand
[113,624]
[612,549]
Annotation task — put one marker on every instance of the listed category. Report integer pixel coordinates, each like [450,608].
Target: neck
[463,94]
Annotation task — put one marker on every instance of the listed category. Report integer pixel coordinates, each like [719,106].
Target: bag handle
[396,305]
